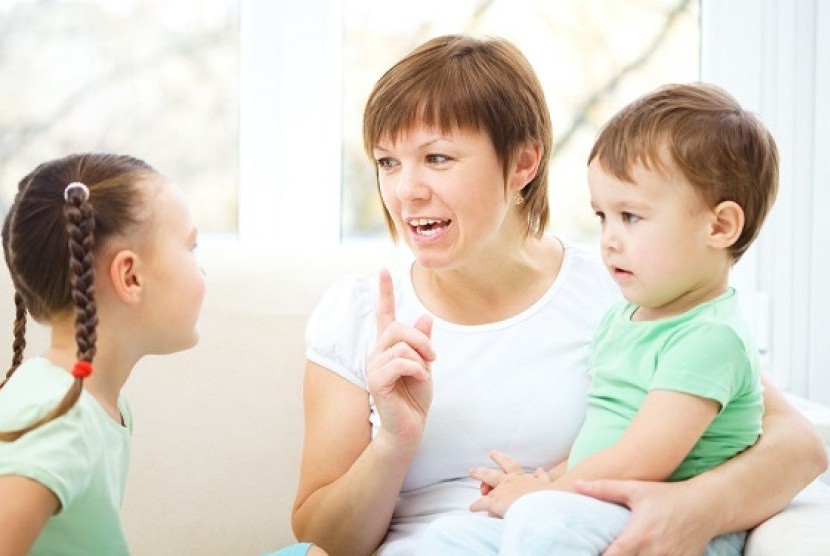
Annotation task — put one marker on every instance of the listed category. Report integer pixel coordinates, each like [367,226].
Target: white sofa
[218,429]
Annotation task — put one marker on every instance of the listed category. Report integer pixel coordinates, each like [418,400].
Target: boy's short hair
[470,83]
[725,152]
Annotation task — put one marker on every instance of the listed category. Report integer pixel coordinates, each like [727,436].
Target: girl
[89,238]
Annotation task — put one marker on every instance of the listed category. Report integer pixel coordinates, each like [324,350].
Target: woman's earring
[518,199]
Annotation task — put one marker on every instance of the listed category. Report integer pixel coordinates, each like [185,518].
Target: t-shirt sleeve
[341,329]
[708,360]
[58,454]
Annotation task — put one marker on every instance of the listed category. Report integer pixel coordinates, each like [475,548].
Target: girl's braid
[19,336]
[80,225]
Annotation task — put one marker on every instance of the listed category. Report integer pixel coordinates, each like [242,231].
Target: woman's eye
[385,163]
[630,218]
[437,158]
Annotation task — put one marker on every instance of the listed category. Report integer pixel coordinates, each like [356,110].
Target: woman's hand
[501,487]
[398,371]
[665,518]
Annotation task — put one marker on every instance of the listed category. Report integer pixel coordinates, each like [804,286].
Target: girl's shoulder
[34,389]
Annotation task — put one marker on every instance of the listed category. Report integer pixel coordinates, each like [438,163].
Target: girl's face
[447,196]
[174,284]
[656,239]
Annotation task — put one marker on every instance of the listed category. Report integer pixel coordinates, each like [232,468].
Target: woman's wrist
[396,450]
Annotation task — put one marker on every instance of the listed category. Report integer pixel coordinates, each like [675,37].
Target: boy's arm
[25,506]
[744,490]
[661,435]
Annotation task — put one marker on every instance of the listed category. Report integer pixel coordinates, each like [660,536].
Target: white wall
[774,55]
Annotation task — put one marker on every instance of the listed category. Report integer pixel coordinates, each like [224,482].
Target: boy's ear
[525,165]
[727,225]
[124,276]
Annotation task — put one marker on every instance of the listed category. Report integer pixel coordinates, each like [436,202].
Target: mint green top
[706,351]
[82,457]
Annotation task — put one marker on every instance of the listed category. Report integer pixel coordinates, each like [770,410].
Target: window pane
[151,78]
[592,56]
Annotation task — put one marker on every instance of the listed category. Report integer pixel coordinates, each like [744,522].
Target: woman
[503,316]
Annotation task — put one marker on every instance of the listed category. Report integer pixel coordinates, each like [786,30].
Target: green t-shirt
[706,351]
[82,457]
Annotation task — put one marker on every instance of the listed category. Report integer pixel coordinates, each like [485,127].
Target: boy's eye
[630,218]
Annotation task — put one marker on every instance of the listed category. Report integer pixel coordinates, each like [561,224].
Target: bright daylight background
[253,107]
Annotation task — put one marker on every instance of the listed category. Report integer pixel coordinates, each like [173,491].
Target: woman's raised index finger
[386,301]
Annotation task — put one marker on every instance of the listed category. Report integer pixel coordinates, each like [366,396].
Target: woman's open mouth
[427,226]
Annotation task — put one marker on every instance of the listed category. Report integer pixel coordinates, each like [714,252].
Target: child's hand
[558,470]
[501,487]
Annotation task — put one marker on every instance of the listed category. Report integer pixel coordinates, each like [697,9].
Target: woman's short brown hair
[725,152]
[469,83]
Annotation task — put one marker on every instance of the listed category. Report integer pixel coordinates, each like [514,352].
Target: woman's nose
[411,184]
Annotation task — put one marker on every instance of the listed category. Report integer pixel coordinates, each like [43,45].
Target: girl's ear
[124,276]
[525,165]
[727,225]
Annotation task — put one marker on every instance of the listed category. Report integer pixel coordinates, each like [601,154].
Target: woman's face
[446,194]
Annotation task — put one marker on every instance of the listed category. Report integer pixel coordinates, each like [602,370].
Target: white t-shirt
[517,385]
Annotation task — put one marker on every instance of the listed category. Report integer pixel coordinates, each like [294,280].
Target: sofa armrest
[802,529]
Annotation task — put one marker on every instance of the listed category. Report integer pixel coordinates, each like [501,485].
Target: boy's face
[655,239]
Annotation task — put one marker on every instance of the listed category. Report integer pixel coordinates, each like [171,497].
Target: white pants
[543,523]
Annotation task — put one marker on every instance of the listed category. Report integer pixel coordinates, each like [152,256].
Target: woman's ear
[727,225]
[525,165]
[124,276]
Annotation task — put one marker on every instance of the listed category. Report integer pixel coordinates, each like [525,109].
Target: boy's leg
[299,549]
[461,535]
[561,523]
[729,544]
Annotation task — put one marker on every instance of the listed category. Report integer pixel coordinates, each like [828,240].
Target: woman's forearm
[351,515]
[761,481]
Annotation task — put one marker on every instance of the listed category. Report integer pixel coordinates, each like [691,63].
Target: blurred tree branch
[583,110]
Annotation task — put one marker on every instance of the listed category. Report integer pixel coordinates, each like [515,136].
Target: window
[779,65]
[150,78]
[307,69]
[591,56]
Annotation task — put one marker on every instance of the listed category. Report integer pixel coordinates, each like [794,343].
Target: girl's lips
[621,272]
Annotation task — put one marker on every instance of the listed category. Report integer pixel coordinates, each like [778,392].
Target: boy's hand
[501,487]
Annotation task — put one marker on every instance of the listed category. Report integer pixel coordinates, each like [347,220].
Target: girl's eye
[630,218]
[437,158]
[601,215]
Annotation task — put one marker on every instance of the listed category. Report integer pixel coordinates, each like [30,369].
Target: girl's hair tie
[76,185]
[82,369]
